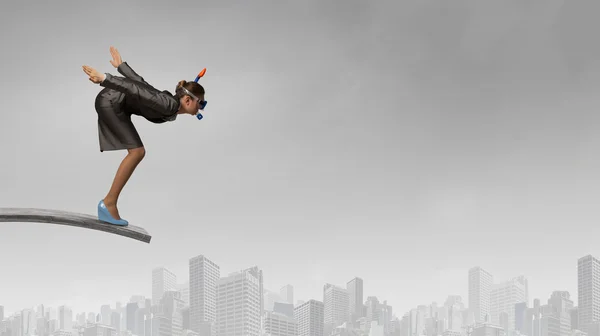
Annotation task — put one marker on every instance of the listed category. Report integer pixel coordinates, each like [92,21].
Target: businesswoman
[121,98]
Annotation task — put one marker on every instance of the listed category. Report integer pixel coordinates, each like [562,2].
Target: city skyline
[178,281]
[237,303]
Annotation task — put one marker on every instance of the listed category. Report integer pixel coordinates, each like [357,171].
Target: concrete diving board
[47,216]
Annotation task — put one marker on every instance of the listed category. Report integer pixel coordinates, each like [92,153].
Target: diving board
[47,216]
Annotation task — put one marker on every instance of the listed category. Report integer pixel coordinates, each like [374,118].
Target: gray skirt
[115,128]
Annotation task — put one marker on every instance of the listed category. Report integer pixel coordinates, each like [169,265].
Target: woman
[126,96]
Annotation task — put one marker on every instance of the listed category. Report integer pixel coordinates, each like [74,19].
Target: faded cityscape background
[208,303]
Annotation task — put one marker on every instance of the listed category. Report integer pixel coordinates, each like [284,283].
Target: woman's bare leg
[126,168]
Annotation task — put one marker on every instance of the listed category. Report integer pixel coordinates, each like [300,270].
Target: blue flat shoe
[105,216]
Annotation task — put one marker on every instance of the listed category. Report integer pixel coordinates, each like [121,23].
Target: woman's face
[191,105]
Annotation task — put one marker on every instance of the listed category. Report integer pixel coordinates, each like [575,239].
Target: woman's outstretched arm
[125,70]
[122,67]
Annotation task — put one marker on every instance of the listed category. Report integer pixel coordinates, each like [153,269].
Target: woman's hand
[95,75]
[116,61]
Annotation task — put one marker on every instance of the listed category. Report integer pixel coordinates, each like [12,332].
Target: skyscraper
[561,306]
[162,280]
[520,309]
[239,304]
[310,316]
[378,312]
[336,301]
[105,313]
[503,299]
[171,308]
[28,322]
[184,289]
[588,291]
[204,277]
[65,318]
[258,273]
[277,324]
[480,286]
[130,314]
[269,299]
[355,290]
[287,293]
[115,321]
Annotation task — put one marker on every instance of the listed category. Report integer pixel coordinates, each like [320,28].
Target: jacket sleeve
[125,70]
[147,95]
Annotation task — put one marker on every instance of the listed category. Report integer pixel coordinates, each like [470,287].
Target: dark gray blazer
[140,98]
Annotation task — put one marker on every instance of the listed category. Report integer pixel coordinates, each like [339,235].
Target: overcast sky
[402,142]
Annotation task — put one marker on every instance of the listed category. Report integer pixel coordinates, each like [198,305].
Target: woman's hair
[195,88]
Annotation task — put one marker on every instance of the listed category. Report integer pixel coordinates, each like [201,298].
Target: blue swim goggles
[201,103]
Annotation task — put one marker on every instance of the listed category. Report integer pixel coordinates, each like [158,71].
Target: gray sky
[402,143]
